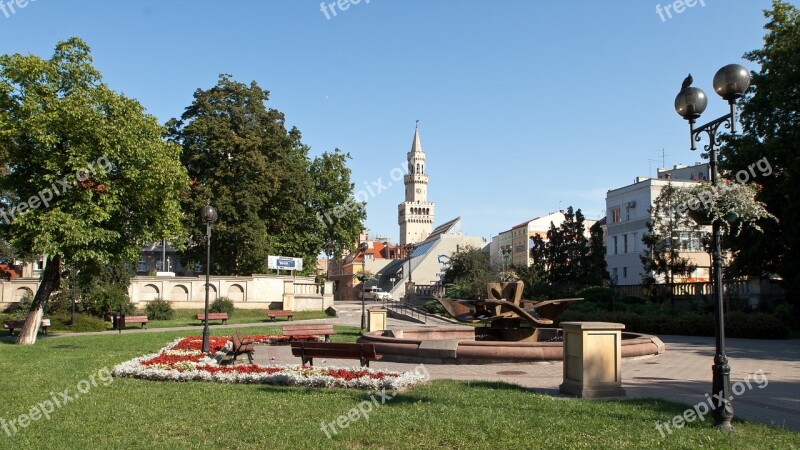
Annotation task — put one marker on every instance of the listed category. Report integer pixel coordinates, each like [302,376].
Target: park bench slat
[273,313]
[307,351]
[306,330]
[242,347]
[11,325]
[136,319]
[213,316]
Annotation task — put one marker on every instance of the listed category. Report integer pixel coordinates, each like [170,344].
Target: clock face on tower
[419,191]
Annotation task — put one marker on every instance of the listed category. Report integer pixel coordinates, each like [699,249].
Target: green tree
[596,266]
[243,160]
[662,257]
[469,272]
[340,216]
[766,152]
[89,176]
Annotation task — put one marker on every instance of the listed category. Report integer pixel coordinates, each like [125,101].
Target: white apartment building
[628,211]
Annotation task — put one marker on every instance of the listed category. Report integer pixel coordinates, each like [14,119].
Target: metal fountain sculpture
[506,315]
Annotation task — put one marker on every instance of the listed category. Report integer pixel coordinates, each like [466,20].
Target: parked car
[376,293]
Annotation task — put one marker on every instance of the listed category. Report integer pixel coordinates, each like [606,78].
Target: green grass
[443,414]
[188,317]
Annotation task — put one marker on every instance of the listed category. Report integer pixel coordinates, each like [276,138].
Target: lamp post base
[721,394]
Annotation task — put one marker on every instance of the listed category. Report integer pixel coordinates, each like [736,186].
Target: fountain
[513,331]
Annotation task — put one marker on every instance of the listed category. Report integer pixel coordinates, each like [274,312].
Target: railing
[433,290]
[307,289]
[733,289]
[407,309]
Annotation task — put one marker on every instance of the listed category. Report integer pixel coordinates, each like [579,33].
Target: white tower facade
[415,214]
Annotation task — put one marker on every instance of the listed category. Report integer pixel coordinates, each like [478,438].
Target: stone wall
[253,292]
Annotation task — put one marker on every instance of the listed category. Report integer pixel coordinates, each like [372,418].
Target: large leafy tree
[244,161]
[88,174]
[767,151]
[468,273]
[596,266]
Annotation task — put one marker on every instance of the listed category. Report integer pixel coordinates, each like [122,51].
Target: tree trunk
[50,281]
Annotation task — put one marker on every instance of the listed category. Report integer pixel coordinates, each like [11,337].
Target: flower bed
[182,360]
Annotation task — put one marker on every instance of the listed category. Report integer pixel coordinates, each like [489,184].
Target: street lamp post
[209,215]
[731,83]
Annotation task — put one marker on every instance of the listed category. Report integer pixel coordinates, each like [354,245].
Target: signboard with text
[284,263]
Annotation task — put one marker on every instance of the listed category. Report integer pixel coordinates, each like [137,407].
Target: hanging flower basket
[733,205]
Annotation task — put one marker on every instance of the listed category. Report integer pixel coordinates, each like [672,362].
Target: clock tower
[415,214]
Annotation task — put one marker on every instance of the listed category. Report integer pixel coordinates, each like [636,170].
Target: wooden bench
[136,319]
[307,351]
[10,325]
[242,347]
[213,316]
[309,330]
[273,313]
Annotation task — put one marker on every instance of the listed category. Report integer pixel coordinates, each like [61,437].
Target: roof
[416,146]
[523,224]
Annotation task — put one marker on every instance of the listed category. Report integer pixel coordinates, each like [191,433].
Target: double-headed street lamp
[731,83]
[208,214]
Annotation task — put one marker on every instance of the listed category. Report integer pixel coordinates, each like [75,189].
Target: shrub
[106,299]
[222,305]
[737,324]
[434,307]
[159,309]
[83,323]
[783,313]
[597,294]
[21,309]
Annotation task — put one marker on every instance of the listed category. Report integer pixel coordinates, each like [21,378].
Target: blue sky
[524,106]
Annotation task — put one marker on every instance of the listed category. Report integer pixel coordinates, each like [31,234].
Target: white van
[376,293]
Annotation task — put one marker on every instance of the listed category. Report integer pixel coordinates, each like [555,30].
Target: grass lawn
[129,413]
[188,317]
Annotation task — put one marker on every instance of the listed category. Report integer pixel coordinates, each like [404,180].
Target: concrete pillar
[288,294]
[377,320]
[592,359]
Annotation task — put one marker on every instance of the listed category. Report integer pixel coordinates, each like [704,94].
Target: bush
[783,313]
[21,309]
[434,307]
[222,305]
[159,309]
[107,299]
[83,323]
[597,294]
[737,324]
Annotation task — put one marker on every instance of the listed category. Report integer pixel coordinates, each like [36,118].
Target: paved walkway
[681,374]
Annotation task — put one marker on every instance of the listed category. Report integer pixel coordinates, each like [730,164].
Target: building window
[615,246]
[615,216]
[142,264]
[624,272]
[625,243]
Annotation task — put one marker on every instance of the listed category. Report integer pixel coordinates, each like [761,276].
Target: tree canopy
[272,199]
[87,176]
[766,151]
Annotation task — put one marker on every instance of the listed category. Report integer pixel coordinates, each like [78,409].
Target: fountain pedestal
[592,359]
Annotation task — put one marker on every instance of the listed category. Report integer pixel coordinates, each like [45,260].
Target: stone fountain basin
[457,345]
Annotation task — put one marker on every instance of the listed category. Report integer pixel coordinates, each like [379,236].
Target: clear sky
[524,106]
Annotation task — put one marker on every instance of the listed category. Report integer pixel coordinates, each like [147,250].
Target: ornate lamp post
[730,82]
[208,214]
